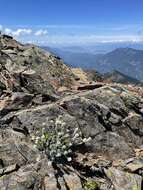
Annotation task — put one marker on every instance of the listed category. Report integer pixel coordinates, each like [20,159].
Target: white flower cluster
[57,142]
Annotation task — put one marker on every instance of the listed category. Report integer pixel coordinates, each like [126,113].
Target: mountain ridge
[128,61]
[119,77]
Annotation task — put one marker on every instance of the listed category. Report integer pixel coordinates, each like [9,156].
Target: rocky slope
[110,115]
[32,69]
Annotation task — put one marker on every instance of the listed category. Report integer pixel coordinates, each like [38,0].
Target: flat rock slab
[124,180]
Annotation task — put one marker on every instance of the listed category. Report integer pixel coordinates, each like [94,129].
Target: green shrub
[57,142]
[91,185]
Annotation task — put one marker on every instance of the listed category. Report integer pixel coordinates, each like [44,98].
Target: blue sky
[58,22]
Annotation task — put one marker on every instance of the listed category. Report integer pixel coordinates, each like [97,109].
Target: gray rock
[124,180]
[73,181]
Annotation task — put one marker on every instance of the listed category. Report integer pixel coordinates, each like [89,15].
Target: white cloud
[7,31]
[18,32]
[67,34]
[87,39]
[41,32]
[1,27]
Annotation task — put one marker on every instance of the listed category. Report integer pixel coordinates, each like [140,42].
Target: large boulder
[124,180]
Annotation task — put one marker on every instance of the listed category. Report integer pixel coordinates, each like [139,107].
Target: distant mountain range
[119,77]
[128,61]
[75,57]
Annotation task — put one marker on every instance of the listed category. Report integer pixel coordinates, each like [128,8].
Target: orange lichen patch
[80,74]
[62,89]
[116,163]
[139,152]
[5,102]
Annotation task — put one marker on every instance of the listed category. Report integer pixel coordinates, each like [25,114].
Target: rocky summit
[62,132]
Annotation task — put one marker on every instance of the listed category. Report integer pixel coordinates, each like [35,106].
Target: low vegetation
[58,142]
